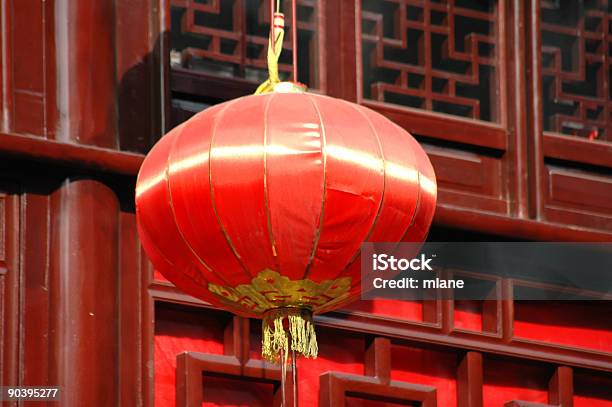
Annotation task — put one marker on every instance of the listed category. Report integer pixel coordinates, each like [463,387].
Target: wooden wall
[87,88]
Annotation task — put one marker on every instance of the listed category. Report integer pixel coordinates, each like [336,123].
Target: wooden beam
[73,155]
[124,163]
[505,226]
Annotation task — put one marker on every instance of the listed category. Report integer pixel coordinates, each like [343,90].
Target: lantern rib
[265,184]
[382,196]
[212,195]
[357,282]
[171,202]
[343,272]
[416,209]
[418,197]
[324,197]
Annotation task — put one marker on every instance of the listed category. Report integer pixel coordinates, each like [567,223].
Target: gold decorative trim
[270,290]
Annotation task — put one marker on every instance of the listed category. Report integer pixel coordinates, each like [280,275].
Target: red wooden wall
[510,99]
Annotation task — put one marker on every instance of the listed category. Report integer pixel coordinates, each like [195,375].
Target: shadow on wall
[142,99]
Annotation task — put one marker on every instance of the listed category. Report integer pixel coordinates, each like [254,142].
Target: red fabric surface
[293,183]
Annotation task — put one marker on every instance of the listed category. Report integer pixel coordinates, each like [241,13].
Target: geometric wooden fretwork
[388,376]
[230,37]
[560,391]
[441,56]
[193,368]
[576,75]
[338,388]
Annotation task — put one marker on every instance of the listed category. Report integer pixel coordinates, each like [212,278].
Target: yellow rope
[275,47]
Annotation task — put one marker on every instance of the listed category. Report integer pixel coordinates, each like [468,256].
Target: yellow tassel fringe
[300,332]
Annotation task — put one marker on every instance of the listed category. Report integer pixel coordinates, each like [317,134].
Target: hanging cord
[275,47]
[294,38]
[283,356]
[294,378]
[294,381]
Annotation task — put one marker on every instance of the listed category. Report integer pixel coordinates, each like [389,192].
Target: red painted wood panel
[579,197]
[68,244]
[350,359]
[582,324]
[9,284]
[30,66]
[507,380]
[414,365]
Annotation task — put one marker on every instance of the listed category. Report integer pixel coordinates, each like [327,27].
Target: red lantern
[261,204]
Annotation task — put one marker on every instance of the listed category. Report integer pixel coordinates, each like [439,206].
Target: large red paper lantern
[260,205]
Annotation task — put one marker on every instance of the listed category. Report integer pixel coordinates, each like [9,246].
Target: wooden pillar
[338,26]
[86,80]
[84,290]
[9,286]
[561,387]
[469,381]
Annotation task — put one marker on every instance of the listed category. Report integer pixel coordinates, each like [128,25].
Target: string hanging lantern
[260,205]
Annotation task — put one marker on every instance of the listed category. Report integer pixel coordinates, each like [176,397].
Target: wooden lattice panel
[230,37]
[576,47]
[441,56]
[209,358]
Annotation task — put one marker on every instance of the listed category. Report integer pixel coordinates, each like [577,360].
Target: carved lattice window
[524,86]
[576,51]
[230,37]
[435,55]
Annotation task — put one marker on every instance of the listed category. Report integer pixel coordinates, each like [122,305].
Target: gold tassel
[300,330]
